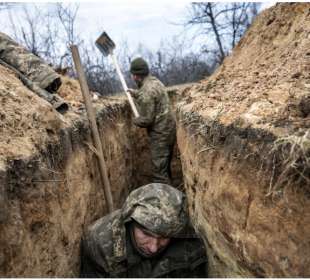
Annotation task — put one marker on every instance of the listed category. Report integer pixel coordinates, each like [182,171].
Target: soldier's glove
[133,92]
[137,121]
[141,122]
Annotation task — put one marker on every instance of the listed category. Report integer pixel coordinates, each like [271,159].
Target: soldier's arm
[200,271]
[90,269]
[198,259]
[133,92]
[146,109]
[89,265]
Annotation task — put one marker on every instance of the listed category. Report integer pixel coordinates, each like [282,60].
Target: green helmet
[158,207]
[139,67]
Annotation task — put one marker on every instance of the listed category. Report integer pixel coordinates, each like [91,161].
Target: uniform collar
[132,256]
[119,240]
[146,79]
[123,249]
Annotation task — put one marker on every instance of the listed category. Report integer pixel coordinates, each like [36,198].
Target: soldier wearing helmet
[148,237]
[155,115]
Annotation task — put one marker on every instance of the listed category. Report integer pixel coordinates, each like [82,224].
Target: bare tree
[49,31]
[100,74]
[35,30]
[171,63]
[239,19]
[222,24]
[67,14]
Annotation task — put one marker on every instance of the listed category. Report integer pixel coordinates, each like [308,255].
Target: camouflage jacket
[153,105]
[160,208]
[109,248]
[33,67]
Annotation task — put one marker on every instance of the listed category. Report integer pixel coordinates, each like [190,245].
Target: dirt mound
[27,121]
[264,87]
[266,80]
[70,90]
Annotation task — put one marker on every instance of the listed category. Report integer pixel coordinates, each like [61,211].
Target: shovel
[107,46]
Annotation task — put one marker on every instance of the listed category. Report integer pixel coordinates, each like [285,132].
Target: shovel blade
[105,44]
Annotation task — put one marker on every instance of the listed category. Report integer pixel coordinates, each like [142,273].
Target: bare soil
[243,135]
[265,82]
[27,121]
[50,187]
[244,146]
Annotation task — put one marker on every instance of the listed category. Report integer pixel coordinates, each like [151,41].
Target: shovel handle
[118,70]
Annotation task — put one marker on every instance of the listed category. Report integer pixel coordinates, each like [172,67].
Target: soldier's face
[138,80]
[150,244]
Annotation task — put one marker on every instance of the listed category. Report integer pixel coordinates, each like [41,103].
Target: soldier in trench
[34,72]
[33,67]
[150,236]
[153,106]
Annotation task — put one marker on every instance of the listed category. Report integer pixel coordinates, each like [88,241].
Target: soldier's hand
[133,92]
[136,121]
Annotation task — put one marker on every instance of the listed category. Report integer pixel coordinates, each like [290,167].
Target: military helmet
[139,67]
[158,207]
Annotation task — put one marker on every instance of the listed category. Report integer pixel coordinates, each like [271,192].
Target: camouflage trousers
[161,153]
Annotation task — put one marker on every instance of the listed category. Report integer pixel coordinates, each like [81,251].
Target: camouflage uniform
[33,67]
[107,250]
[155,114]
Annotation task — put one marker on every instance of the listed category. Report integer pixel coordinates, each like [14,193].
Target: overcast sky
[136,21]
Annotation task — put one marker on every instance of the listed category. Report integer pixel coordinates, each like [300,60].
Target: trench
[50,197]
[242,157]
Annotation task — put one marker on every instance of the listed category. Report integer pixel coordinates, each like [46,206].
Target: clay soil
[50,187]
[27,122]
[265,82]
[228,127]
[262,90]
[244,140]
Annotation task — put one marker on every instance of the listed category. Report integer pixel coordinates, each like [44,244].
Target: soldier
[148,237]
[33,67]
[155,114]
[35,74]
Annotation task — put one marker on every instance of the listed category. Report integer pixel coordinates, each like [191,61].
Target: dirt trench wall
[244,141]
[243,136]
[51,191]
[51,195]
[247,233]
